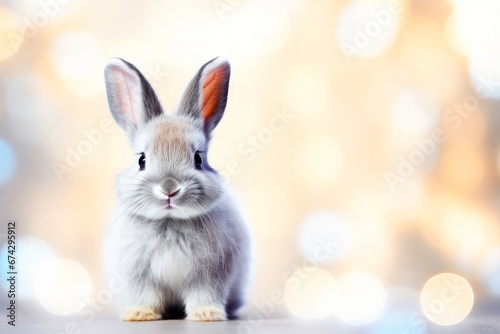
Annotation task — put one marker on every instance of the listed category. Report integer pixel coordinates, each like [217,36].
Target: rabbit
[177,234]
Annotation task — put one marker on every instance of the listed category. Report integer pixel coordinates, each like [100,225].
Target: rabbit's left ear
[206,95]
[132,101]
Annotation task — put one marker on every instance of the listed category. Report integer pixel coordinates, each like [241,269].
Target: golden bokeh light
[311,293]
[362,298]
[446,299]
[368,29]
[454,38]
[325,237]
[472,27]
[63,286]
[414,116]
[11,33]
[372,246]
[484,71]
[77,59]
[258,27]
[462,229]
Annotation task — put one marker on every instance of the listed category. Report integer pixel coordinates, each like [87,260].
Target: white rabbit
[176,234]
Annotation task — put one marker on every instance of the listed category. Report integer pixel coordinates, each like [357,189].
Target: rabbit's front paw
[141,314]
[207,313]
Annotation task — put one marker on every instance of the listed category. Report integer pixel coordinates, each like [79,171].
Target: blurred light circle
[9,161]
[402,313]
[368,29]
[373,244]
[319,161]
[76,58]
[31,254]
[362,298]
[11,36]
[63,286]
[258,27]
[325,237]
[400,321]
[311,293]
[484,73]
[453,36]
[471,247]
[490,271]
[446,299]
[473,26]
[427,59]
[307,94]
[414,113]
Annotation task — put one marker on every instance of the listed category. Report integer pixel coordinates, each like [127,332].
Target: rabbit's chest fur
[174,256]
[169,253]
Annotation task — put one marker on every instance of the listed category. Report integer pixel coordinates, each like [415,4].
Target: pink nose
[170,187]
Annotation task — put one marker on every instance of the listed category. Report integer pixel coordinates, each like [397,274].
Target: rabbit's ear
[131,98]
[206,95]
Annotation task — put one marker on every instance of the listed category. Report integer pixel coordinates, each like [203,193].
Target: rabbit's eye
[198,160]
[142,161]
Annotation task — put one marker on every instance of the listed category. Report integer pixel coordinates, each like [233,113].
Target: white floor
[109,324]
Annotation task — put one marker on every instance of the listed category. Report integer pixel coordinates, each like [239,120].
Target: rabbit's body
[176,235]
[176,256]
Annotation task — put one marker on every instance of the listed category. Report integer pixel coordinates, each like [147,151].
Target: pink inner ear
[127,93]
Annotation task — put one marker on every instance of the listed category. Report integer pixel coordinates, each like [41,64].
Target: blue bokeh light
[490,271]
[7,162]
[399,322]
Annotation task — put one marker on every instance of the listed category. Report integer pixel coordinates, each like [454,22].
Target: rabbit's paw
[141,314]
[207,313]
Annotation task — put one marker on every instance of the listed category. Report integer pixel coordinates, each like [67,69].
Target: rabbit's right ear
[206,96]
[131,99]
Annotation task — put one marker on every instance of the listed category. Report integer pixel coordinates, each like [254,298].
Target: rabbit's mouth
[169,204]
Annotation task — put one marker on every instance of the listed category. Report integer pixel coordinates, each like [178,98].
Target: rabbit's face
[170,176]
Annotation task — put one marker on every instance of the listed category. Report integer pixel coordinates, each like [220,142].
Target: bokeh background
[360,135]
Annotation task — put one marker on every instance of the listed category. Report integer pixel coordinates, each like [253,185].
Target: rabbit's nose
[171,187]
[174,193]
